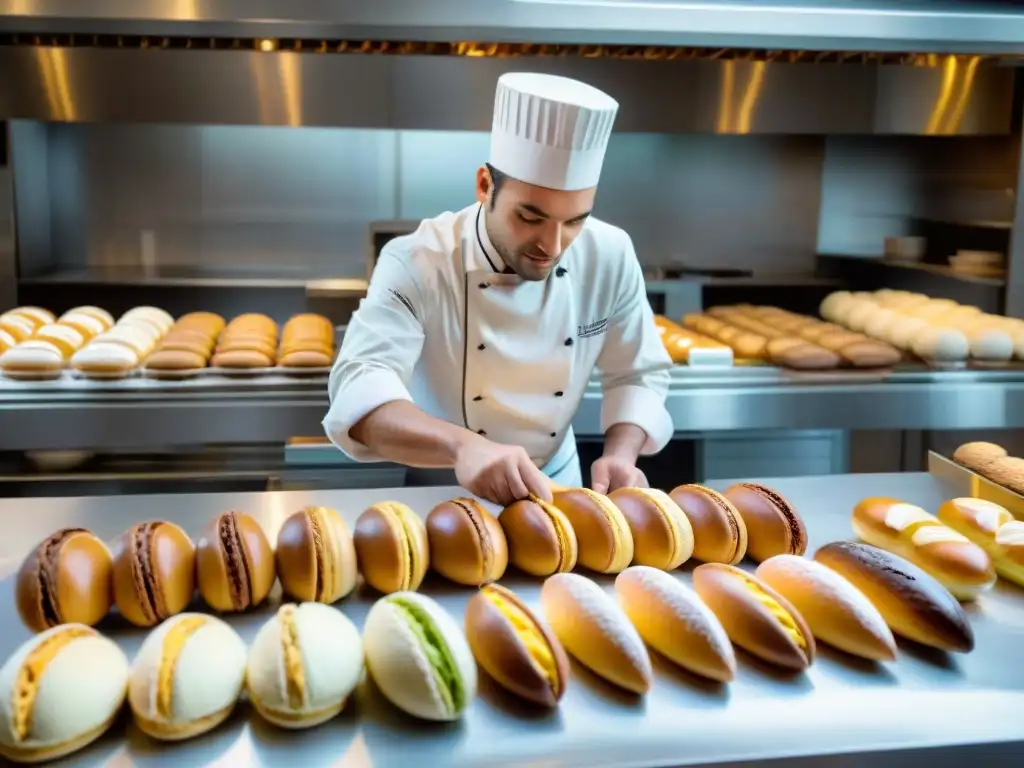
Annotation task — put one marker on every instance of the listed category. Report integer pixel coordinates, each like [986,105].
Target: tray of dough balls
[713,604]
[89,343]
[939,332]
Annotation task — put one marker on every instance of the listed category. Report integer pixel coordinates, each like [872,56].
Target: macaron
[541,540]
[662,534]
[514,647]
[303,665]
[65,580]
[672,620]
[418,657]
[719,533]
[187,677]
[316,559]
[602,532]
[61,690]
[773,525]
[467,544]
[391,547]
[154,572]
[755,616]
[594,630]
[836,611]
[105,318]
[234,563]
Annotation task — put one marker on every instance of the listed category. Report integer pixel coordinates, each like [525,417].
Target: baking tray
[968,483]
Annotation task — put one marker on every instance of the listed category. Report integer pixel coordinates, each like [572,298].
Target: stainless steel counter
[140,413]
[842,712]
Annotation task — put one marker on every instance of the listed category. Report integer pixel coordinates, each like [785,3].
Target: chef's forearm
[400,432]
[624,441]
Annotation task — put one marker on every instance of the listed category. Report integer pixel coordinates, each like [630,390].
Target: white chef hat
[550,131]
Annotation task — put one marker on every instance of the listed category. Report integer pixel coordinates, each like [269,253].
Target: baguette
[912,533]
[856,349]
[745,344]
[781,348]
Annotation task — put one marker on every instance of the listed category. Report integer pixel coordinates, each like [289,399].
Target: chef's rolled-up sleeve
[633,363]
[379,352]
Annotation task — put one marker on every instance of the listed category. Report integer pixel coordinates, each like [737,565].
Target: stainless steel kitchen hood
[934,26]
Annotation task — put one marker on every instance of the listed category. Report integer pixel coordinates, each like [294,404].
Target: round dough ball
[903,331]
[877,325]
[940,345]
[858,316]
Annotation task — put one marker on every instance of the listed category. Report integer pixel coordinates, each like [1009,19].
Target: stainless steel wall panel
[29,162]
[8,255]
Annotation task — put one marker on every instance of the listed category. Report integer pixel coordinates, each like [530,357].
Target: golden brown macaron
[773,525]
[719,533]
[175,360]
[234,563]
[755,616]
[242,359]
[316,559]
[391,547]
[154,572]
[603,538]
[662,534]
[305,359]
[65,580]
[514,647]
[541,540]
[913,604]
[467,544]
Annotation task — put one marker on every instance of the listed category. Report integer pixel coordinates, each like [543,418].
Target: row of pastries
[36,344]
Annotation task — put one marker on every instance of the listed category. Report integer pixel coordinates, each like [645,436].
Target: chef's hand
[499,473]
[617,467]
[611,472]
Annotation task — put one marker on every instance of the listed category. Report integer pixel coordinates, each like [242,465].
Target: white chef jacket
[442,326]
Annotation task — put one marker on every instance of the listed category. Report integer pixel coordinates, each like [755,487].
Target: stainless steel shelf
[141,413]
[908,25]
[926,708]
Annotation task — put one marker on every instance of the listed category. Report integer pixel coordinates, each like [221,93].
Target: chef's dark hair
[498,179]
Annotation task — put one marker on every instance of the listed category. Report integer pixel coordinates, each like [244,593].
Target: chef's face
[531,226]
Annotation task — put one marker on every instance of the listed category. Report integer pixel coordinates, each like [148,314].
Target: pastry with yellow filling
[977,519]
[303,665]
[419,658]
[912,533]
[316,559]
[467,545]
[187,677]
[1008,552]
[592,628]
[662,534]
[541,540]
[512,646]
[672,620]
[603,538]
[755,616]
[391,547]
[60,691]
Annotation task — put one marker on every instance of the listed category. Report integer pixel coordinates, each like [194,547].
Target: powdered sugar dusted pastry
[21,328]
[64,337]
[594,629]
[87,325]
[105,358]
[105,318]
[59,692]
[153,315]
[32,359]
[187,677]
[673,621]
[35,315]
[836,611]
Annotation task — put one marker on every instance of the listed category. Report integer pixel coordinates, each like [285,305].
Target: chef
[479,332]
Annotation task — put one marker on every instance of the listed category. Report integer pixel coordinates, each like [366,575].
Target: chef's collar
[489,256]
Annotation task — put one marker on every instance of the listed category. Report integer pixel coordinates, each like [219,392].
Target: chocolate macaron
[773,525]
[66,579]
[154,572]
[234,563]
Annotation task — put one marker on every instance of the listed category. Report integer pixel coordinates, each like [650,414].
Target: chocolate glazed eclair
[234,563]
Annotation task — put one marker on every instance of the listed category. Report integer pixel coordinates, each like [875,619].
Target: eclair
[662,534]
[912,533]
[836,611]
[603,537]
[1008,552]
[773,525]
[719,533]
[467,544]
[303,665]
[977,519]
[596,632]
[755,616]
[671,618]
[61,690]
[315,557]
[514,647]
[391,547]
[541,540]
[187,677]
[234,563]
[913,603]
